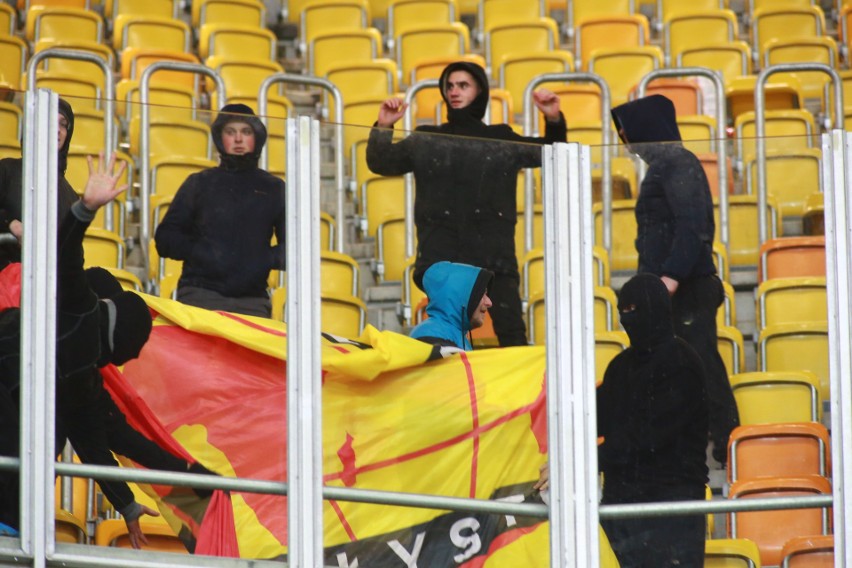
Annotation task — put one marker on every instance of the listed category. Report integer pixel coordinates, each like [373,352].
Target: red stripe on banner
[501,541]
[342,518]
[340,349]
[253,325]
[437,447]
[474,412]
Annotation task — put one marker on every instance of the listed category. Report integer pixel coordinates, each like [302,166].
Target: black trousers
[506,310]
[694,308]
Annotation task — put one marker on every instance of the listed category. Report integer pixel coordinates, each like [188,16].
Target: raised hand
[101,185]
[391,111]
[548,103]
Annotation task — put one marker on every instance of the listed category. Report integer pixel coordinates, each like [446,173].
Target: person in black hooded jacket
[674,216]
[11,182]
[222,219]
[652,415]
[465,207]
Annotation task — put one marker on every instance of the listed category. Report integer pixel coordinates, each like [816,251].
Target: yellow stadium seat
[792,256]
[720,261]
[779,450]
[167,287]
[791,300]
[429,42]
[159,8]
[359,116]
[608,344]
[134,61]
[404,15]
[381,197]
[190,138]
[165,102]
[606,309]
[731,553]
[345,316]
[538,231]
[778,95]
[279,300]
[791,178]
[518,68]
[11,120]
[167,175]
[577,101]
[13,57]
[82,92]
[732,59]
[127,279]
[71,522]
[151,32]
[731,348]
[578,10]
[10,148]
[669,9]
[795,347]
[242,77]
[821,49]
[494,13]
[90,136]
[233,41]
[160,268]
[8,20]
[325,16]
[700,135]
[771,529]
[63,24]
[328,228]
[370,80]
[336,48]
[75,67]
[697,28]
[623,255]
[160,536]
[532,272]
[339,274]
[622,69]
[427,99]
[781,21]
[390,249]
[726,315]
[609,32]
[538,36]
[103,248]
[815,551]
[786,130]
[743,247]
[240,12]
[776,397]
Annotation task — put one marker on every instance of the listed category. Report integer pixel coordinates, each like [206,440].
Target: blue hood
[454,292]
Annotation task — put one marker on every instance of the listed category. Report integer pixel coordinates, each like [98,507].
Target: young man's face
[238,138]
[461,89]
[478,317]
[63,129]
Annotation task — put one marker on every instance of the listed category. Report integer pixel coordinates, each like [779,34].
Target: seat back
[787,130]
[151,32]
[579,10]
[821,49]
[189,138]
[809,552]
[608,344]
[343,315]
[390,242]
[791,178]
[168,175]
[731,553]
[623,255]
[518,68]
[63,24]
[404,15]
[103,248]
[778,450]
[777,397]
[785,22]
[697,28]
[668,9]
[731,346]
[332,15]
[794,347]
[339,274]
[742,216]
[684,93]
[791,300]
[792,256]
[240,12]
[381,197]
[233,41]
[622,69]
[732,58]
[609,32]
[13,57]
[428,42]
[336,48]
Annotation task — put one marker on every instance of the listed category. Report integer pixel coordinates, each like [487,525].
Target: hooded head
[455,291]
[125,319]
[242,114]
[646,120]
[475,111]
[645,309]
[68,113]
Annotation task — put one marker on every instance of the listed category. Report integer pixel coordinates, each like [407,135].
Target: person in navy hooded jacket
[458,302]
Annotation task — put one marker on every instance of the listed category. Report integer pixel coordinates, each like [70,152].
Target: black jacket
[674,212]
[465,206]
[220,225]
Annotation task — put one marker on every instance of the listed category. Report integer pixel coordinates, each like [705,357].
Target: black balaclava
[473,113]
[650,323]
[66,111]
[125,320]
[238,113]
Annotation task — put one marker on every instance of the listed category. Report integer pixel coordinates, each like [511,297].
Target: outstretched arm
[384,157]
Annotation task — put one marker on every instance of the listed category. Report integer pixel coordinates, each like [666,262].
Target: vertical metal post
[566,175]
[38,324]
[837,152]
[304,394]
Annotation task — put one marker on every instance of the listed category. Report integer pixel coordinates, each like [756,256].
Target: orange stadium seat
[779,450]
[791,257]
[815,551]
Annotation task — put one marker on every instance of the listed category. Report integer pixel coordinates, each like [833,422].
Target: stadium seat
[534,36]
[13,58]
[71,522]
[518,68]
[404,15]
[239,12]
[742,216]
[623,177]
[731,348]
[135,60]
[791,300]
[710,163]
[127,279]
[820,49]
[771,529]
[726,315]
[786,130]
[81,92]
[11,120]
[336,48]
[339,274]
[784,22]
[10,148]
[808,552]
[496,13]
[608,344]
[779,450]
[190,138]
[795,347]
[390,249]
[151,32]
[623,255]
[622,69]
[609,32]
[697,29]
[685,94]
[160,536]
[358,118]
[63,24]
[236,42]
[425,43]
[166,102]
[369,80]
[345,316]
[158,8]
[578,10]
[83,69]
[103,248]
[732,59]
[89,131]
[242,77]
[381,197]
[427,99]
[791,257]
[731,553]
[577,101]
[324,16]
[167,175]
[777,397]
[778,95]
[606,309]
[668,9]
[538,232]
[8,20]
[532,272]
[791,178]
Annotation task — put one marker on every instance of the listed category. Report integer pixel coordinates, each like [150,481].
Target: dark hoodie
[222,219]
[674,211]
[465,206]
[454,291]
[652,410]
[11,197]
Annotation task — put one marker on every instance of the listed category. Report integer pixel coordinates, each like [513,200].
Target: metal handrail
[531,129]
[721,114]
[760,124]
[339,177]
[145,141]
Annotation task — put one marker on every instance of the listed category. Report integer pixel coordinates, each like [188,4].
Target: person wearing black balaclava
[675,230]
[221,222]
[652,415]
[465,206]
[11,195]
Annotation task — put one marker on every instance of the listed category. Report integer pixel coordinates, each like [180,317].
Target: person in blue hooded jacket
[458,302]
[675,229]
